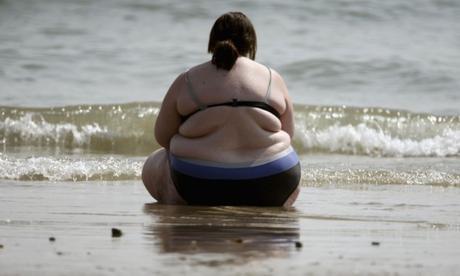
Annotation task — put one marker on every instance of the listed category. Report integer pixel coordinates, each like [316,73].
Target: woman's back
[228,133]
[225,128]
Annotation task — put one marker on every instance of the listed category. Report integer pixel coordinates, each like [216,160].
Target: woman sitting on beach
[225,127]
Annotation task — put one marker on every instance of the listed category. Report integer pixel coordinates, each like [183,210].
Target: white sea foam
[362,139]
[350,177]
[110,168]
[32,128]
[68,169]
[127,129]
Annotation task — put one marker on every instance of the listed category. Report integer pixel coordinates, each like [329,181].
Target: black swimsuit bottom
[267,184]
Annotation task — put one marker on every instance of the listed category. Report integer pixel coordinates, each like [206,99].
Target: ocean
[377,81]
[376,87]
[374,82]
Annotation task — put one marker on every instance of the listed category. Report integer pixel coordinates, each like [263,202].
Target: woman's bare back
[225,133]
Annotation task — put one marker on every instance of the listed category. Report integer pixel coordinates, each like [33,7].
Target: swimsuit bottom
[267,183]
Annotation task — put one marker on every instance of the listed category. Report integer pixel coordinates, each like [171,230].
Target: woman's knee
[153,170]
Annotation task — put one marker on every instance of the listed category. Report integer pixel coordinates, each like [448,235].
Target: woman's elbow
[162,140]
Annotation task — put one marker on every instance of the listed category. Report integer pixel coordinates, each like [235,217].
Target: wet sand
[332,230]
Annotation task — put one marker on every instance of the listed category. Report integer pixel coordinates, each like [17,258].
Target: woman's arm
[169,120]
[287,117]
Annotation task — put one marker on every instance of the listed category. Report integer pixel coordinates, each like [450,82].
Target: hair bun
[225,54]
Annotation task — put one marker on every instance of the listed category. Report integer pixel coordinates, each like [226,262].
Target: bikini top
[234,103]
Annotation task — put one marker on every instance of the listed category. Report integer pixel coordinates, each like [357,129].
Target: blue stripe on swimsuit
[218,171]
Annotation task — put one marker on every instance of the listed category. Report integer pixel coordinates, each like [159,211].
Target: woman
[225,127]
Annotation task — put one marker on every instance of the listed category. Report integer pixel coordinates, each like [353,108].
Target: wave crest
[128,129]
[364,140]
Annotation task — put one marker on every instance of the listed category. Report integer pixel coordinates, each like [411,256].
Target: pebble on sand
[375,243]
[52,239]
[239,240]
[298,244]
[1,246]
[116,233]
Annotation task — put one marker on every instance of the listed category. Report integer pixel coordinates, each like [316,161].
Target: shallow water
[367,229]
[342,145]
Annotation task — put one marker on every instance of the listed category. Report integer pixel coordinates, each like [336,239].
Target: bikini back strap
[192,93]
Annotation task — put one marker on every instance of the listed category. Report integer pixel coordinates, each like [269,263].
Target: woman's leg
[157,178]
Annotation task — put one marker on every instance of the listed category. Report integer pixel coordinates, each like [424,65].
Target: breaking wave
[128,129]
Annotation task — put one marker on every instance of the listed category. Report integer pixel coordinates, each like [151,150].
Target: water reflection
[240,230]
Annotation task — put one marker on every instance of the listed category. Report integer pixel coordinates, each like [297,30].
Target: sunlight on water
[128,129]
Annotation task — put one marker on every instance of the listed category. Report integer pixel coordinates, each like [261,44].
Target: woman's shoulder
[262,67]
[199,67]
[181,78]
[244,66]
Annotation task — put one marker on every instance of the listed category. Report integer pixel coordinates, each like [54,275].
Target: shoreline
[329,231]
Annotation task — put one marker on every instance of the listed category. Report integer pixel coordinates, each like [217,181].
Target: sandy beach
[366,230]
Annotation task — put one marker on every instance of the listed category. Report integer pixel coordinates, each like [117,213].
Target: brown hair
[232,35]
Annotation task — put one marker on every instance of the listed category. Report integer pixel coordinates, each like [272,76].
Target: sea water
[376,84]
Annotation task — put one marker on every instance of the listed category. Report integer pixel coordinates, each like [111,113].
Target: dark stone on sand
[52,239]
[59,253]
[1,246]
[239,240]
[116,233]
[375,243]
[298,244]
